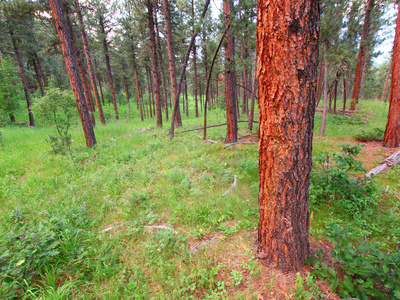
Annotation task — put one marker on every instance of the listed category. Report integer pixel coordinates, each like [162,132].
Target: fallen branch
[161,227]
[245,143]
[147,129]
[387,163]
[205,243]
[211,126]
[112,227]
[232,186]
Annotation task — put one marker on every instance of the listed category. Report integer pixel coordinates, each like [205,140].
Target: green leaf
[20,262]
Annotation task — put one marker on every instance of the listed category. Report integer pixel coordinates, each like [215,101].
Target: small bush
[339,120]
[363,272]
[375,134]
[332,181]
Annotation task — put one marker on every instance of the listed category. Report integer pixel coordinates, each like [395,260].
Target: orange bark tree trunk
[90,64]
[287,50]
[386,81]
[392,132]
[230,80]
[73,72]
[154,63]
[361,55]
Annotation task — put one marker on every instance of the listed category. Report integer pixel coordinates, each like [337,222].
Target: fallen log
[232,186]
[387,163]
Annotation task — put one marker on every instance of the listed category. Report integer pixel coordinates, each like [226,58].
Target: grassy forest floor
[141,216]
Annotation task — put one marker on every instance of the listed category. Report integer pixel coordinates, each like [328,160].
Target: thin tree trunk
[154,62]
[79,61]
[344,94]
[244,80]
[196,107]
[230,80]
[335,95]
[287,77]
[90,64]
[253,97]
[137,91]
[392,132]
[325,111]
[183,70]
[40,69]
[361,55]
[23,78]
[149,90]
[164,82]
[320,84]
[38,76]
[108,64]
[70,61]
[387,80]
[187,98]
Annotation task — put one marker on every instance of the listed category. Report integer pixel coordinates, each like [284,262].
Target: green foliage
[362,272]
[345,120]
[332,181]
[57,108]
[376,134]
[10,87]
[308,289]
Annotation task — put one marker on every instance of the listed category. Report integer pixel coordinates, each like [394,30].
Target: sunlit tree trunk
[253,98]
[387,80]
[392,132]
[287,50]
[325,109]
[74,76]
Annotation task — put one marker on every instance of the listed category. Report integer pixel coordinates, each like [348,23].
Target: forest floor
[141,216]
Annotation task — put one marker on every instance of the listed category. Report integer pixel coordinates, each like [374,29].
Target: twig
[205,243]
[232,186]
[111,227]
[208,140]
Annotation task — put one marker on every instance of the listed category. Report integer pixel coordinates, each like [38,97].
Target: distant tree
[74,76]
[9,88]
[287,50]
[392,132]
[230,80]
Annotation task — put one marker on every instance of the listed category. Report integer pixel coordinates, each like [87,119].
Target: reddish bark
[154,62]
[320,84]
[171,61]
[137,91]
[23,78]
[392,132]
[74,76]
[90,65]
[361,55]
[230,80]
[149,91]
[287,50]
[163,81]
[108,64]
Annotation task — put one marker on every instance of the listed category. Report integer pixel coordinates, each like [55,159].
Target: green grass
[136,180]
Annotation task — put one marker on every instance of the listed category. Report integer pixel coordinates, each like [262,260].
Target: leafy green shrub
[307,289]
[339,120]
[331,181]
[375,134]
[362,272]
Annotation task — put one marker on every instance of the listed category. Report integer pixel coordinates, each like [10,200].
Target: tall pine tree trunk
[287,50]
[253,97]
[164,82]
[361,55]
[109,73]
[387,80]
[39,65]
[392,132]
[230,80]
[90,65]
[154,62]
[70,61]
[325,109]
[38,78]
[23,78]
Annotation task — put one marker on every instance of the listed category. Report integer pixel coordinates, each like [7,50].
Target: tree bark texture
[361,55]
[154,62]
[109,73]
[287,50]
[23,78]
[230,80]
[392,132]
[73,72]
[90,64]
